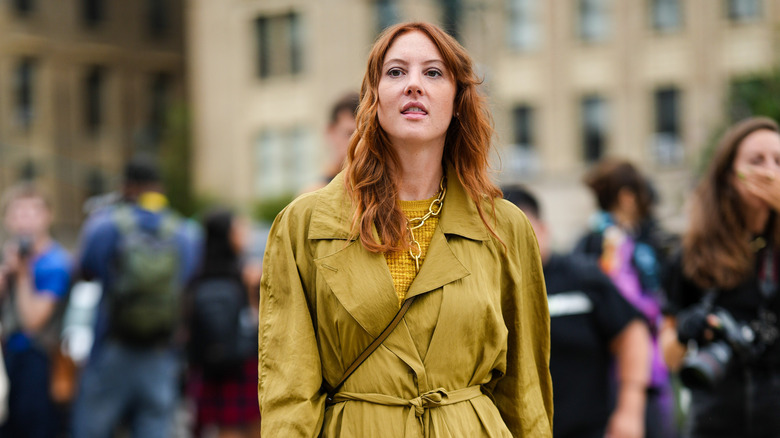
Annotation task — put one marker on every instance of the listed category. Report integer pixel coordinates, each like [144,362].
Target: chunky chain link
[415,250]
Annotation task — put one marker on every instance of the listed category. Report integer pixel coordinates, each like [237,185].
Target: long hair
[716,247]
[369,176]
[219,256]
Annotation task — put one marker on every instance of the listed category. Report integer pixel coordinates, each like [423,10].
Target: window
[157,16]
[451,16]
[92,11]
[24,79]
[523,159]
[523,26]
[158,108]
[594,127]
[279,44]
[744,10]
[93,99]
[23,7]
[667,145]
[301,165]
[281,164]
[666,15]
[593,20]
[387,14]
[522,116]
[268,168]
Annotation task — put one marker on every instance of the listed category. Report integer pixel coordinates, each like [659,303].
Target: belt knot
[430,399]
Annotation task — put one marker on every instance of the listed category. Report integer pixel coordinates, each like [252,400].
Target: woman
[727,270]
[627,244]
[413,217]
[223,374]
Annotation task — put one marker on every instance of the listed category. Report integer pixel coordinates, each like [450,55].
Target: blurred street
[233,108]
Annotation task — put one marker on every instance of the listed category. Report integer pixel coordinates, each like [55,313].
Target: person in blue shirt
[127,382]
[34,279]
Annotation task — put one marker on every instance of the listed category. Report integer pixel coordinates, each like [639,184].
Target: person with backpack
[143,253]
[34,280]
[222,322]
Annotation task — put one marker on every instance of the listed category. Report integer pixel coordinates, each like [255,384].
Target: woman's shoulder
[299,208]
[508,217]
[325,210]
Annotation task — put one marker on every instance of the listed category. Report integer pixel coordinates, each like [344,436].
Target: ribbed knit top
[401,263]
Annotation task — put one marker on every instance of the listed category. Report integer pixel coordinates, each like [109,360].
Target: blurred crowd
[155,314]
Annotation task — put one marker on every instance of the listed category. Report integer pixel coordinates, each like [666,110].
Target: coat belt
[428,400]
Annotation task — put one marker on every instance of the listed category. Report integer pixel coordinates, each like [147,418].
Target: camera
[24,246]
[706,367]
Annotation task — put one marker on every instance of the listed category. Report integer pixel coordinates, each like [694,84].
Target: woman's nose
[413,86]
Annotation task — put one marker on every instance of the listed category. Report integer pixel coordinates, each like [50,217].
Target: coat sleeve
[291,401]
[524,394]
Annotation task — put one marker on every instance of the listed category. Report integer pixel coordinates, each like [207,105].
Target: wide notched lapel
[459,216]
[359,279]
[362,283]
[440,267]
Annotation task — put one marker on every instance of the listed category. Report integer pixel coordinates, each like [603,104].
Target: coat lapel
[362,283]
[460,217]
[439,268]
[361,280]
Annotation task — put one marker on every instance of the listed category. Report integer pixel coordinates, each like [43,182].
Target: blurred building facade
[569,82]
[84,84]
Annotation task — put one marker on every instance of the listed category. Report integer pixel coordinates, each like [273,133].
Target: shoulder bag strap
[371,348]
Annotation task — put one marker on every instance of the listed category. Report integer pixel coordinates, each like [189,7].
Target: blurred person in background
[721,325]
[591,325]
[34,280]
[223,332]
[142,253]
[621,238]
[415,224]
[341,125]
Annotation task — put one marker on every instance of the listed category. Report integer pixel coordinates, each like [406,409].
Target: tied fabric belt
[431,399]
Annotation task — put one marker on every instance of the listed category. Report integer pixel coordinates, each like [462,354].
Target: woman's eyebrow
[405,62]
[395,61]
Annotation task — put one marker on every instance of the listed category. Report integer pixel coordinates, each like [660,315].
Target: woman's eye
[433,73]
[394,72]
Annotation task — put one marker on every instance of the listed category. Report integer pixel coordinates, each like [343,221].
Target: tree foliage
[755,94]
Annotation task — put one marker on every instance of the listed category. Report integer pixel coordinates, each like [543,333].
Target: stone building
[83,85]
[569,81]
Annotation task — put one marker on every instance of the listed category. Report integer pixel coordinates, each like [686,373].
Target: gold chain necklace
[415,250]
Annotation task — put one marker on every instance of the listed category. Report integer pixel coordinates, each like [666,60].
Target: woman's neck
[419,174]
[757,219]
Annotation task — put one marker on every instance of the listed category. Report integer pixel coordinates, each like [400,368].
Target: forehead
[413,46]
[760,141]
[25,203]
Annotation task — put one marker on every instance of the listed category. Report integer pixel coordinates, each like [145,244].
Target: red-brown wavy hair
[716,247]
[369,175]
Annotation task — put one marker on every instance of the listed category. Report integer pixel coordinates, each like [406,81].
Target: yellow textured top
[401,263]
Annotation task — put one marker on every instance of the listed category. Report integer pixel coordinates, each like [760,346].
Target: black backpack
[145,297]
[223,326]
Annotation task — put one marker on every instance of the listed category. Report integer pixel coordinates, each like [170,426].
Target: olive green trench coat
[470,358]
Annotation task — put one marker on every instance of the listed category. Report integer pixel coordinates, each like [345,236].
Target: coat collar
[332,215]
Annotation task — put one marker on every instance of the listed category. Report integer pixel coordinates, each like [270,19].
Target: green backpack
[145,296]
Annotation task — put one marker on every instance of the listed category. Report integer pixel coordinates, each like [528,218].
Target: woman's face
[416,92]
[756,166]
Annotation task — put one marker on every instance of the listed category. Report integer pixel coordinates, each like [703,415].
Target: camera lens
[707,367]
